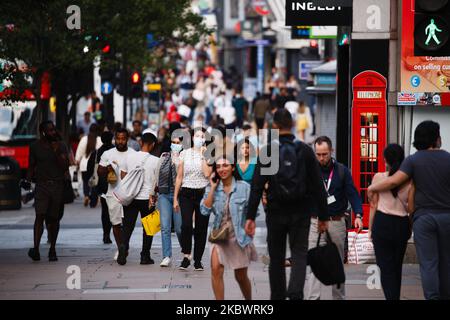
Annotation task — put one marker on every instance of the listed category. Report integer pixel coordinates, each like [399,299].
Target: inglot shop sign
[319,13]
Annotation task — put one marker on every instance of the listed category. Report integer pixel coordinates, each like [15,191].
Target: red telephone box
[368,132]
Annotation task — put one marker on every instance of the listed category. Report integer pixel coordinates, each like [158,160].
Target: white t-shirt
[80,155]
[136,159]
[119,158]
[228,114]
[193,173]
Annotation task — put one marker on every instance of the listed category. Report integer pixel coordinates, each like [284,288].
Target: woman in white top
[192,178]
[87,145]
[389,225]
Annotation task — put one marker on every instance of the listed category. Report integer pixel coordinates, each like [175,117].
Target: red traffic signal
[135,77]
[106,48]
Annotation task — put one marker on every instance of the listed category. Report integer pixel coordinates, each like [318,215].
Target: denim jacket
[239,196]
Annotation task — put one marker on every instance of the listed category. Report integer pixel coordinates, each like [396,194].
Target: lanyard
[327,186]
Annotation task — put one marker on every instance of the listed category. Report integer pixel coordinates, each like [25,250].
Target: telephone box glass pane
[369,151]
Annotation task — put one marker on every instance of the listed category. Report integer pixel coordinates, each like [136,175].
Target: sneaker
[122,258]
[185,264]
[107,240]
[198,266]
[166,262]
[146,259]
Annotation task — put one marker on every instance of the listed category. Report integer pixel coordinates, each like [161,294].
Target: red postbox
[368,132]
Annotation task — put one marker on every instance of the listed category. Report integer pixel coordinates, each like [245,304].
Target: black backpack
[290,180]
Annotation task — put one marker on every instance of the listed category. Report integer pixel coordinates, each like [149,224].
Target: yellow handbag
[152,223]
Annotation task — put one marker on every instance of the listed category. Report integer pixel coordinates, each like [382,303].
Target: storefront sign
[305,67]
[319,13]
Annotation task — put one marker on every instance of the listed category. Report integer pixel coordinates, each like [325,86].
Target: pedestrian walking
[227,199]
[166,175]
[303,120]
[48,166]
[389,225]
[85,123]
[110,165]
[102,186]
[87,145]
[192,178]
[338,183]
[141,204]
[291,191]
[240,104]
[429,170]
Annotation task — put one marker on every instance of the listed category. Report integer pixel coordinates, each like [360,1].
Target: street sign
[106,88]
[319,13]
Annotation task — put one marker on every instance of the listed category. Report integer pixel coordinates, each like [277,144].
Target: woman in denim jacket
[228,198]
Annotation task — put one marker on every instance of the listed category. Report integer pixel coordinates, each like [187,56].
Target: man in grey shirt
[429,169]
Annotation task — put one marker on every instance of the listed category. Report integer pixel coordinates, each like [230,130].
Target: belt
[332,218]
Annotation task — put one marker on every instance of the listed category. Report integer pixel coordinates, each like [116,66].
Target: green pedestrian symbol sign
[430,31]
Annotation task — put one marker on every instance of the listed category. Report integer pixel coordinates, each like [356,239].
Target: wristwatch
[358,216]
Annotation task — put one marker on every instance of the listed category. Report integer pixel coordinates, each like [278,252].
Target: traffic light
[431,28]
[136,84]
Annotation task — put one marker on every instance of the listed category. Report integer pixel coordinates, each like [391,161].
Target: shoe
[116,255]
[122,258]
[198,266]
[86,201]
[146,259]
[107,240]
[185,264]
[34,254]
[166,262]
[52,255]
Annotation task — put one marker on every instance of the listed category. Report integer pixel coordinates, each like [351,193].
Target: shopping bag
[152,223]
[360,247]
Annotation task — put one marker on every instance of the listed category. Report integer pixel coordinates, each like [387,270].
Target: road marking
[115,291]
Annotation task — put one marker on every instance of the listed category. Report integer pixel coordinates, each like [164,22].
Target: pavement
[86,269]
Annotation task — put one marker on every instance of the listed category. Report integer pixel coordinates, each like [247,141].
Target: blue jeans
[432,239]
[165,207]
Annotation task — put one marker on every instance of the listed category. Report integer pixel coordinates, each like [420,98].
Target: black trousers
[390,236]
[130,214]
[189,205]
[106,223]
[279,227]
[259,123]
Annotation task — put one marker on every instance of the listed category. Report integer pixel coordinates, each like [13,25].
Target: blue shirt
[343,189]
[239,196]
[247,176]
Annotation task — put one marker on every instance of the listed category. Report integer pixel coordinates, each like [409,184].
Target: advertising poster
[420,74]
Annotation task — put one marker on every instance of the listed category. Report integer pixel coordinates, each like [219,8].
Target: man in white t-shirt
[141,203]
[111,163]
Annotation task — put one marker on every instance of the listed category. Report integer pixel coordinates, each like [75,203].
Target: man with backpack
[141,166]
[340,189]
[291,193]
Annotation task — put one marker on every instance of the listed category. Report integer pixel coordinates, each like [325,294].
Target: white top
[292,107]
[137,159]
[387,203]
[227,113]
[118,161]
[80,155]
[193,177]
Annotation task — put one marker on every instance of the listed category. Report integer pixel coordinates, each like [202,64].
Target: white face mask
[176,147]
[198,142]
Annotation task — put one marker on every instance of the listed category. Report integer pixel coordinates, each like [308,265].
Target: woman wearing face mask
[228,198]
[192,178]
[166,175]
